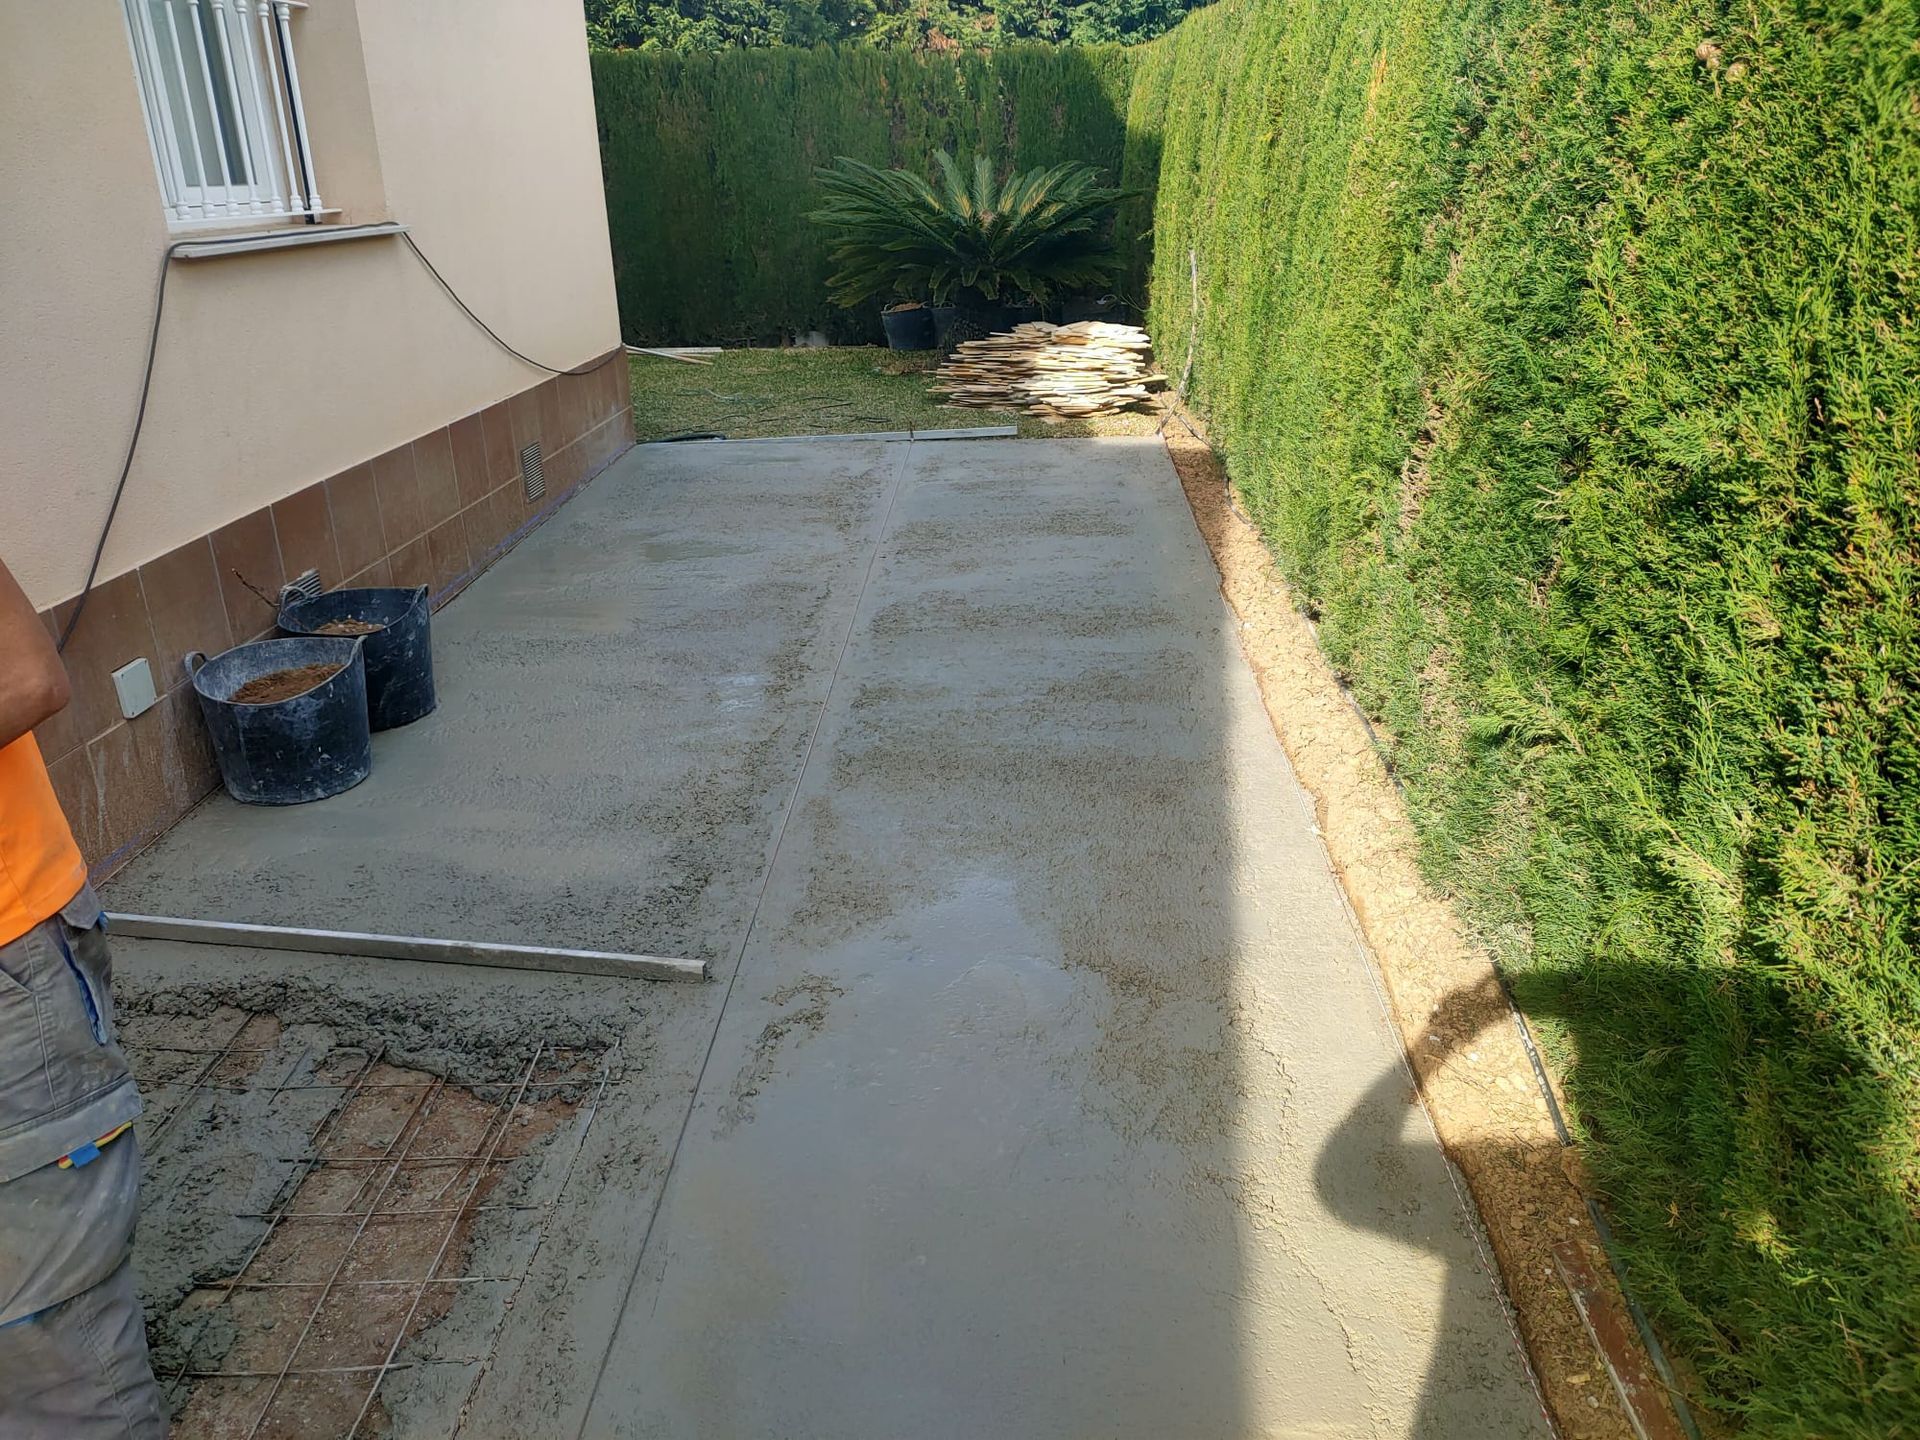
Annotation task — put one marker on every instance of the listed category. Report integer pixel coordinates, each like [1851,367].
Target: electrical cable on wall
[133,443]
[146,389]
[454,295]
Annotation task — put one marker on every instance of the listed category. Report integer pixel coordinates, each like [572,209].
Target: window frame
[244,89]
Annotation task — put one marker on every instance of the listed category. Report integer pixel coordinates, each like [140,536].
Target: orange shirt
[40,866]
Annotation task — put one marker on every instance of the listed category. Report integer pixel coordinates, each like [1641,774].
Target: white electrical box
[133,683]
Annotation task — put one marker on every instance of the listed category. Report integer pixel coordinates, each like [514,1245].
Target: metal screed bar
[407,947]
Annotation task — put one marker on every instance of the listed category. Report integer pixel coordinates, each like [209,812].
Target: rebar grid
[399,1153]
[410,1131]
[186,1372]
[503,1118]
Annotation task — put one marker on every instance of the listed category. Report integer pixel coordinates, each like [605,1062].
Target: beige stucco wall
[469,120]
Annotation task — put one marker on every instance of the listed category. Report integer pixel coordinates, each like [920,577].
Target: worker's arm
[33,682]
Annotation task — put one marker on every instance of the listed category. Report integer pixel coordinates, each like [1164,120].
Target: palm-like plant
[962,236]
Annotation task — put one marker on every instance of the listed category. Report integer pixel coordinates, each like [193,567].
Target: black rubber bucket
[286,752]
[399,655]
[908,329]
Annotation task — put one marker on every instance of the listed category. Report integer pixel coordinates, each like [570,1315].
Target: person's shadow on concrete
[1471,1391]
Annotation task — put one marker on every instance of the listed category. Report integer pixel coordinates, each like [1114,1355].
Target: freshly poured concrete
[1042,1089]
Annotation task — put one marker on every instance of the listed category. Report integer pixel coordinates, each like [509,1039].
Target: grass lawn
[746,393]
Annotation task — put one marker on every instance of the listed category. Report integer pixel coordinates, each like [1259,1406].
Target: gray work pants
[78,1370]
[73,1348]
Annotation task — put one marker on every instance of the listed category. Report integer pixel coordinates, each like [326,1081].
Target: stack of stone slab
[1058,372]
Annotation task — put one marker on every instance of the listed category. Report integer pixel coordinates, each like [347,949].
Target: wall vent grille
[303,586]
[533,476]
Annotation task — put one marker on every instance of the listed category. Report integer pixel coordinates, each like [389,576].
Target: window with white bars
[222,93]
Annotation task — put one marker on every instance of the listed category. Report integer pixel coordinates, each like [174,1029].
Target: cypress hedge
[1568,354]
[709,162]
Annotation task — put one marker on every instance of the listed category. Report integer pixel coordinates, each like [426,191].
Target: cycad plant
[963,237]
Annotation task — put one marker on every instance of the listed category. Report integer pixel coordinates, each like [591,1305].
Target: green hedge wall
[1566,351]
[709,162]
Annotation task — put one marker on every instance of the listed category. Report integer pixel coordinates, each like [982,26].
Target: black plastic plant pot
[908,329]
[287,752]
[399,654]
[955,323]
[945,318]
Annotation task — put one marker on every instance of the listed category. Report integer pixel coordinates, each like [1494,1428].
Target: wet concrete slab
[1042,1088]
[623,701]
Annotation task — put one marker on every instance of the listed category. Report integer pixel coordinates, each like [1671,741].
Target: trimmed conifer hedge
[1568,353]
[709,164]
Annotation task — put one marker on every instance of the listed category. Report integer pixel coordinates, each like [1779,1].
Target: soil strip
[349,626]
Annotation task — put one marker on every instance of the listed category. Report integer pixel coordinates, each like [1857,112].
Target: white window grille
[222,96]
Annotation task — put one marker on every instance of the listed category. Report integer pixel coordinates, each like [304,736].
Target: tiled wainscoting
[433,512]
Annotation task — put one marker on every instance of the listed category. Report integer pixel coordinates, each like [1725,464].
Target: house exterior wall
[327,406]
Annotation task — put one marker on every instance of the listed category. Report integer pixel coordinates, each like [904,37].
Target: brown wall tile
[602,444]
[575,404]
[524,411]
[72,776]
[304,523]
[481,522]
[510,510]
[602,400]
[151,769]
[248,547]
[605,394]
[433,473]
[412,564]
[192,770]
[593,400]
[620,386]
[402,517]
[563,470]
[447,550]
[186,607]
[553,433]
[608,441]
[130,767]
[470,458]
[113,631]
[503,461]
[595,396]
[355,508]
[376,576]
